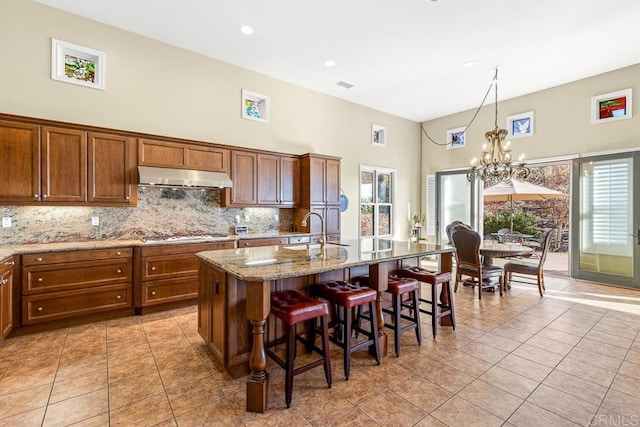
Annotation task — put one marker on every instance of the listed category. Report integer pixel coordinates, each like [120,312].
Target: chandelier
[496,159]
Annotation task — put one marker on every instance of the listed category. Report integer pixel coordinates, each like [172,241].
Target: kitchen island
[236,284]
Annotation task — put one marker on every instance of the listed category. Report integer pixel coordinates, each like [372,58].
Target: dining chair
[468,262]
[449,228]
[529,268]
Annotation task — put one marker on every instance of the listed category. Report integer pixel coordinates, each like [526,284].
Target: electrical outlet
[237,219]
[95,220]
[6,222]
[276,217]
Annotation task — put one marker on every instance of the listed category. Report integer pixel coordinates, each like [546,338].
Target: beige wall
[155,88]
[562,123]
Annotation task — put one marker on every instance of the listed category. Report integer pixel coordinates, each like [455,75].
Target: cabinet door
[20,154]
[110,169]
[332,219]
[332,182]
[207,158]
[244,177]
[268,179]
[205,286]
[6,298]
[218,314]
[318,176]
[289,181]
[64,165]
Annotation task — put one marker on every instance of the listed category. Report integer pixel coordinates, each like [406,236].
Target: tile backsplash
[160,212]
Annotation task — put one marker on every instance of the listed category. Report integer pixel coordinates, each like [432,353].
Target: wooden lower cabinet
[169,273]
[6,297]
[62,285]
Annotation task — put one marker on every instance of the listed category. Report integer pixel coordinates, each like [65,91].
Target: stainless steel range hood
[183,178]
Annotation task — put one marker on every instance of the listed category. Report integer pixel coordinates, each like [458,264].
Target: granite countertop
[9,250]
[266,263]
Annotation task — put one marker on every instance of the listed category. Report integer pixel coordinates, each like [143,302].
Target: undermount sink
[313,246]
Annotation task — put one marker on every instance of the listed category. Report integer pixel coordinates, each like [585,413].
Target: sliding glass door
[457,200]
[605,219]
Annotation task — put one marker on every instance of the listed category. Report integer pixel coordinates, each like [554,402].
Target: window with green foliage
[376,202]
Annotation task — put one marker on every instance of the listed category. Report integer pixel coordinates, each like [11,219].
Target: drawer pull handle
[118,253]
[10,263]
[39,309]
[118,271]
[217,287]
[119,297]
[4,281]
[39,259]
[40,279]
[153,293]
[153,269]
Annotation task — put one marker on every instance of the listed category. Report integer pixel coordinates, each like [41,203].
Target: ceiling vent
[344,84]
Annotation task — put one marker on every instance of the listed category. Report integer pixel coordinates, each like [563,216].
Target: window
[607,205]
[376,202]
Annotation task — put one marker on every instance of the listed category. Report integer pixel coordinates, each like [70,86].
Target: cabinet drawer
[299,239]
[263,242]
[61,277]
[163,291]
[185,249]
[74,256]
[61,305]
[162,267]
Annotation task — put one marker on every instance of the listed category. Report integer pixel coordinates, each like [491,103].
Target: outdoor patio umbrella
[514,189]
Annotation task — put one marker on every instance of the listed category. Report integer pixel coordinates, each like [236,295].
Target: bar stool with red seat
[344,297]
[398,287]
[292,308]
[434,279]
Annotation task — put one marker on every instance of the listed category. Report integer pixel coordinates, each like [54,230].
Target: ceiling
[404,57]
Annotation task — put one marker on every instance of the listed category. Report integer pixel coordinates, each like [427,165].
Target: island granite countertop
[259,264]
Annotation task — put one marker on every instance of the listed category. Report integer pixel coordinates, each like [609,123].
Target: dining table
[490,249]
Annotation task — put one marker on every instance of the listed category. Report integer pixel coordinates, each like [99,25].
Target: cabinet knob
[10,263]
[40,279]
[36,195]
[39,259]
[153,293]
[39,308]
[44,196]
[127,198]
[3,281]
[119,297]
[153,269]
[246,243]
[118,271]
[118,253]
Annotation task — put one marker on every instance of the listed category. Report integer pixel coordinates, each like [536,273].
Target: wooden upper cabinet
[20,154]
[244,175]
[289,181]
[111,163]
[332,183]
[182,155]
[278,180]
[64,165]
[323,180]
[268,179]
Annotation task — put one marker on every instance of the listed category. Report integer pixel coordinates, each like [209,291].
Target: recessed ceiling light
[330,63]
[245,29]
[470,64]
[344,84]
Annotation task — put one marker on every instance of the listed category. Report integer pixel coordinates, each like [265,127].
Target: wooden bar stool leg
[376,332]
[325,349]
[434,310]
[291,344]
[416,316]
[396,323]
[453,312]
[347,341]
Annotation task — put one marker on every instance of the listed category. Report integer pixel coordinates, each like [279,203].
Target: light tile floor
[569,358]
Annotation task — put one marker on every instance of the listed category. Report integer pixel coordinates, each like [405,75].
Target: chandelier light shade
[496,158]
